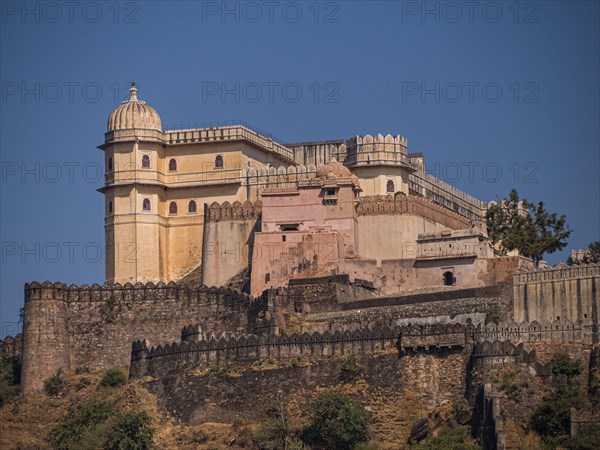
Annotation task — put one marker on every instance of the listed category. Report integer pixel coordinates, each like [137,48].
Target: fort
[228,247]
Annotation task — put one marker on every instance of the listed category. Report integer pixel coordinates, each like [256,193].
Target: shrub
[10,370]
[54,384]
[350,363]
[335,422]
[562,364]
[113,377]
[455,438]
[131,431]
[350,368]
[95,425]
[274,431]
[551,417]
[588,438]
[511,386]
[82,427]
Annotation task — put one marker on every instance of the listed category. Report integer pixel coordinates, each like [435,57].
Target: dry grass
[26,422]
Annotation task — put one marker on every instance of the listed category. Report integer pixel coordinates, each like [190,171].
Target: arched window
[219,162]
[110,166]
[390,188]
[172,164]
[146,204]
[192,206]
[110,207]
[449,279]
[145,161]
[173,208]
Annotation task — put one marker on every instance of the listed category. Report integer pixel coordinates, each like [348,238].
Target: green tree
[551,417]
[336,423]
[275,431]
[591,256]
[529,228]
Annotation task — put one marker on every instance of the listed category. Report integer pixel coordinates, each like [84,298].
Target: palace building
[219,202]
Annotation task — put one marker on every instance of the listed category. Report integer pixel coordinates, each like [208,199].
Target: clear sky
[495,94]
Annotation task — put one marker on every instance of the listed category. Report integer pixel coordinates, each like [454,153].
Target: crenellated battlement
[557,273]
[133,292]
[243,347]
[412,204]
[378,142]
[216,212]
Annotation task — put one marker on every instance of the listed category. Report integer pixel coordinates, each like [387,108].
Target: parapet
[367,150]
[412,204]
[244,347]
[559,273]
[368,143]
[217,212]
[135,292]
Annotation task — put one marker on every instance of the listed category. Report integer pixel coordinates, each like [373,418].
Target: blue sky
[498,96]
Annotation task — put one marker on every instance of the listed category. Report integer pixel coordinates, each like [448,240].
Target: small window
[219,162]
[110,207]
[283,238]
[172,164]
[192,206]
[449,279]
[146,204]
[330,191]
[173,208]
[390,188]
[110,165]
[267,277]
[145,161]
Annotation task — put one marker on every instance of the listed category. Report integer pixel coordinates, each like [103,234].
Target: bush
[588,438]
[350,363]
[54,384]
[449,439]
[551,417]
[95,425]
[10,371]
[113,377]
[510,385]
[131,431]
[82,427]
[275,432]
[335,423]
[562,364]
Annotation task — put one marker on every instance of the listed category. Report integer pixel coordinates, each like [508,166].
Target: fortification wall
[228,240]
[66,327]
[566,293]
[172,358]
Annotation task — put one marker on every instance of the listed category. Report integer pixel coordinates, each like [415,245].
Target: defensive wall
[66,327]
[492,344]
[563,293]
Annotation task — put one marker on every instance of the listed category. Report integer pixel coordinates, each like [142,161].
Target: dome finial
[133,92]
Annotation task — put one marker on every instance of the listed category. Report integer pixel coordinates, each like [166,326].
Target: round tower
[380,162]
[45,333]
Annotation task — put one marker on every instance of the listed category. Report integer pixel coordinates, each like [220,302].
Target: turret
[46,346]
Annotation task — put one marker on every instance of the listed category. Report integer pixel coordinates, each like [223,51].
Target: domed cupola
[333,169]
[134,113]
